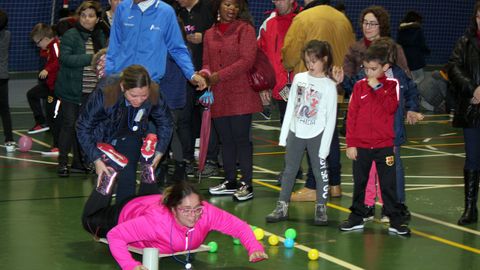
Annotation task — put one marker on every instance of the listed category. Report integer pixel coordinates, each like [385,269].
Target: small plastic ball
[273,240]
[313,254]
[291,233]
[213,247]
[253,227]
[188,266]
[24,143]
[236,241]
[259,234]
[289,243]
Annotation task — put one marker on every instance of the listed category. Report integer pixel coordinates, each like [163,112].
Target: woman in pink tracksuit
[177,221]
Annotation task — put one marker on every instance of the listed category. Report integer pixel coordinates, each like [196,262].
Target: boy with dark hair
[45,39]
[370,138]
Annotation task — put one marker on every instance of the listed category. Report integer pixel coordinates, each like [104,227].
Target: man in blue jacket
[142,33]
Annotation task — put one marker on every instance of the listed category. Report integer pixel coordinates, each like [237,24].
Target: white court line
[35,140]
[423,156]
[433,187]
[30,160]
[448,134]
[427,139]
[434,151]
[431,147]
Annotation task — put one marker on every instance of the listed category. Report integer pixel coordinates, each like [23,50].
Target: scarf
[367,42]
[96,36]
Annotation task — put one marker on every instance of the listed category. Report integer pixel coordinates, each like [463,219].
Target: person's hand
[199,81]
[337,74]
[214,78]
[258,256]
[101,168]
[373,82]
[476,96]
[43,74]
[195,38]
[414,117]
[156,160]
[140,267]
[352,153]
[266,97]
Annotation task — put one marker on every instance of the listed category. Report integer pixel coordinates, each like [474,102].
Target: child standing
[370,138]
[309,123]
[4,107]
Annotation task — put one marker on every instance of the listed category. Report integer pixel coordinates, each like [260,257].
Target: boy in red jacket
[45,38]
[370,137]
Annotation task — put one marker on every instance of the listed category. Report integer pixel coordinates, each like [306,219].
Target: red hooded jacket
[51,53]
[270,40]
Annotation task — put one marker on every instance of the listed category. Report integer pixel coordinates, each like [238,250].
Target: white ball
[188,266]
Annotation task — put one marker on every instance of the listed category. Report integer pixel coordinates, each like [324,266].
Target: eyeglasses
[370,24]
[197,211]
[38,42]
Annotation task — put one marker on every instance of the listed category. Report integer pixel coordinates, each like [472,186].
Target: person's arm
[114,42]
[131,231]
[330,121]
[224,222]
[463,83]
[67,56]
[387,96]
[289,112]
[293,45]
[52,66]
[163,122]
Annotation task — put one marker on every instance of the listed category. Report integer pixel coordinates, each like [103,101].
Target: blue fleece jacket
[144,38]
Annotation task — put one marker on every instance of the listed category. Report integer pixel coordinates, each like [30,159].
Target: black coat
[411,38]
[464,74]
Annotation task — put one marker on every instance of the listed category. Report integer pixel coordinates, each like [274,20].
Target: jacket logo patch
[153,27]
[364,96]
[390,160]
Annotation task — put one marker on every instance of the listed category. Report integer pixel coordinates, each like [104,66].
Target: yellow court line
[35,140]
[416,232]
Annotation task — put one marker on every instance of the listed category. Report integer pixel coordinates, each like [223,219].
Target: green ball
[291,233]
[236,241]
[253,227]
[213,246]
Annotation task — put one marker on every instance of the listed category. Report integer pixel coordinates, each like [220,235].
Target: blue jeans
[472,148]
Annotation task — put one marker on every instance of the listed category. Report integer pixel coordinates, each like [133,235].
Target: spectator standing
[4,107]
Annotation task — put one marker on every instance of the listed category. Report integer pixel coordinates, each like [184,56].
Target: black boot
[179,174]
[470,215]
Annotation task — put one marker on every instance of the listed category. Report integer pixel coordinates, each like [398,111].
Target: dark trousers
[234,133]
[472,148]
[5,111]
[129,146]
[35,96]
[385,162]
[67,140]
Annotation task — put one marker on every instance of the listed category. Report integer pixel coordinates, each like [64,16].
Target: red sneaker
[149,144]
[115,157]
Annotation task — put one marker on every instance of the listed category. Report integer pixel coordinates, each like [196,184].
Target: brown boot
[304,195]
[335,191]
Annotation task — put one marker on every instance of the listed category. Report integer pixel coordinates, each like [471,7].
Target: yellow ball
[313,254]
[273,240]
[259,234]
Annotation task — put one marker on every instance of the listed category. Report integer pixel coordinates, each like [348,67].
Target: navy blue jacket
[98,123]
[173,85]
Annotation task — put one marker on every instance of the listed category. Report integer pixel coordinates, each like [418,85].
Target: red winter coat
[231,55]
[51,53]
[270,40]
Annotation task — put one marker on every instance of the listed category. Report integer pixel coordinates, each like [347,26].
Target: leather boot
[470,215]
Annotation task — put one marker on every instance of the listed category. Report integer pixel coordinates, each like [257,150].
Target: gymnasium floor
[40,212]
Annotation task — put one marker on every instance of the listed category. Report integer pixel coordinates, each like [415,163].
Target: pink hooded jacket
[145,222]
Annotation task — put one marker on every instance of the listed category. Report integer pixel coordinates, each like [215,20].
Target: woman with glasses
[178,220]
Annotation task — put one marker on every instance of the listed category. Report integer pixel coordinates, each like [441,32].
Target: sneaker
[112,157]
[399,229]
[10,146]
[63,171]
[38,128]
[52,152]
[280,213]
[370,213]
[350,225]
[243,193]
[225,188]
[321,218]
[384,218]
[210,169]
[105,182]
[147,174]
[266,113]
[148,147]
[189,168]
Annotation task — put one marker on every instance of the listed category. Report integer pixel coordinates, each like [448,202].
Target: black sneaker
[370,213]
[189,168]
[225,188]
[399,229]
[63,171]
[350,225]
[38,128]
[243,193]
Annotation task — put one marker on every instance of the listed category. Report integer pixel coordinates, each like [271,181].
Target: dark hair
[243,12]
[382,16]
[473,25]
[131,77]
[377,53]
[42,30]
[3,20]
[412,16]
[390,45]
[173,195]
[319,49]
[89,4]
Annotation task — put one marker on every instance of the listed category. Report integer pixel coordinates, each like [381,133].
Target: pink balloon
[24,143]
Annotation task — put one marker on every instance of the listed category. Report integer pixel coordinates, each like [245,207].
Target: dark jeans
[472,148]
[67,135]
[234,133]
[5,111]
[129,146]
[35,96]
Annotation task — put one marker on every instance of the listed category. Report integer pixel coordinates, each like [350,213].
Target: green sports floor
[40,212]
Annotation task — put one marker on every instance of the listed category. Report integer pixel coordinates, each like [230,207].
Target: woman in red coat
[229,52]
